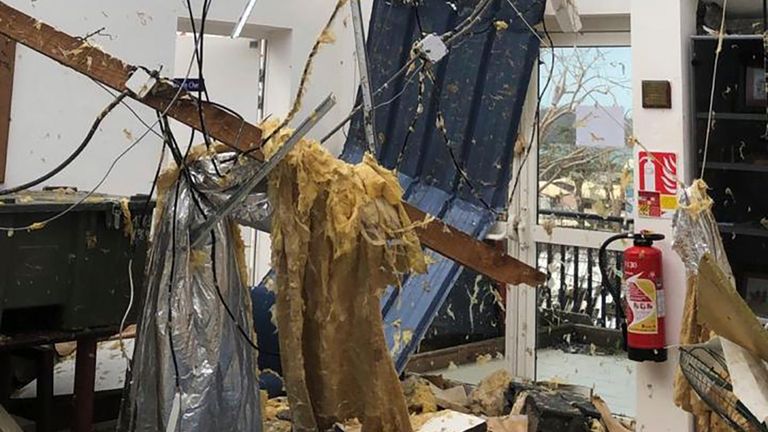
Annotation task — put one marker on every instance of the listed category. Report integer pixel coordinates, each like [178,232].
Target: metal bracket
[237,198]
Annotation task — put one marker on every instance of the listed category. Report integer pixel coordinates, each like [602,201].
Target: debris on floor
[609,423]
[453,421]
[489,397]
[419,395]
[510,423]
[498,404]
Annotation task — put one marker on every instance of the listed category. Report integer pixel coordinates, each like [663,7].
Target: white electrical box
[140,83]
[432,48]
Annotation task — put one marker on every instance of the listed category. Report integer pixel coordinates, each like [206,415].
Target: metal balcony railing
[574,283]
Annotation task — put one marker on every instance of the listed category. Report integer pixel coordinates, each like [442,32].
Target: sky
[615,65]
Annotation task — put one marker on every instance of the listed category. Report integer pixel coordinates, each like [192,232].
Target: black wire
[145,211]
[168,140]
[403,70]
[221,296]
[181,161]
[173,145]
[419,100]
[170,288]
[418,20]
[457,165]
[76,153]
[535,130]
[202,91]
[356,109]
[129,107]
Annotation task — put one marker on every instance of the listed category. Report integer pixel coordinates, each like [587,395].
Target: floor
[612,377]
[110,371]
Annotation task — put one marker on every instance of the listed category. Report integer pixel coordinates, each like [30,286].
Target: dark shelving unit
[743,229]
[736,166]
[737,159]
[761,117]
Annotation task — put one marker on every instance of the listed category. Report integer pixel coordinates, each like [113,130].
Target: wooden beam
[81,56]
[7,65]
[96,64]
[425,362]
[475,254]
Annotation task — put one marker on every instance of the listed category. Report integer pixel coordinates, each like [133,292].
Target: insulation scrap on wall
[710,289]
[189,349]
[339,236]
[696,234]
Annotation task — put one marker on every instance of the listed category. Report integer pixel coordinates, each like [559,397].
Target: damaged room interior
[384,215]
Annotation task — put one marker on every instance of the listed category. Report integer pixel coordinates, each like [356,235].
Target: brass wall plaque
[657,94]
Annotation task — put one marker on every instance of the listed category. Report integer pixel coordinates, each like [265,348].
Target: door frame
[523,230]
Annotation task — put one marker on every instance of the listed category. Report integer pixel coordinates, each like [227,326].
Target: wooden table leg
[85,380]
[45,362]
[6,377]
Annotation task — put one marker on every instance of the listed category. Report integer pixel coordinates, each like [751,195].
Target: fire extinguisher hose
[609,282]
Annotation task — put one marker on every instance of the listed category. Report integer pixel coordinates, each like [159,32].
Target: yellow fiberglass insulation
[339,236]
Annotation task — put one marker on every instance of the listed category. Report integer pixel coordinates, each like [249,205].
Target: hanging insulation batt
[339,236]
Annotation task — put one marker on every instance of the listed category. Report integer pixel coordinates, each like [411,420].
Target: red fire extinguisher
[641,313]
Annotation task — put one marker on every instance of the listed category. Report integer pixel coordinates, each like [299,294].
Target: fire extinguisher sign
[657,195]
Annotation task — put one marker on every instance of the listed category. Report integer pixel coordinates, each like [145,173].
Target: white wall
[599,7]
[291,26]
[53,107]
[231,71]
[663,130]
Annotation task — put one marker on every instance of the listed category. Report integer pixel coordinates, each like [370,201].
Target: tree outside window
[585,154]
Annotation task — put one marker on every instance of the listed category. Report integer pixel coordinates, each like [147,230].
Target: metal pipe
[243,19]
[237,198]
[365,83]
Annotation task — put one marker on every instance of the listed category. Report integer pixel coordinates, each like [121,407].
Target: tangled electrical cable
[450,38]
[196,196]
[43,223]
[181,160]
[440,120]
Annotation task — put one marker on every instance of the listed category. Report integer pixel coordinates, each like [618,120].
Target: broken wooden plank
[83,57]
[611,424]
[7,64]
[463,354]
[475,254]
[724,311]
[7,422]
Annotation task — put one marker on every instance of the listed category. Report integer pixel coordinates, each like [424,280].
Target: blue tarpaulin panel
[480,88]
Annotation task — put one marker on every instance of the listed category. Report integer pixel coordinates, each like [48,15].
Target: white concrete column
[661,32]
